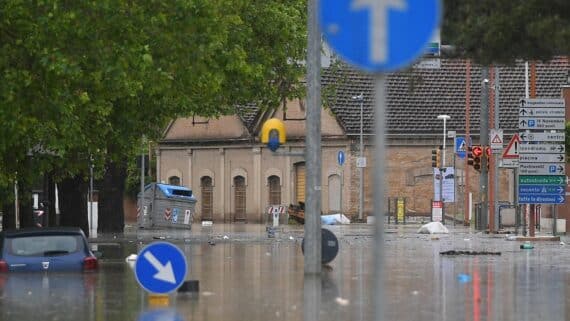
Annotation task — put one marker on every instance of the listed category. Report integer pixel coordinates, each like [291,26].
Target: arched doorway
[207,200]
[300,182]
[239,198]
[334,194]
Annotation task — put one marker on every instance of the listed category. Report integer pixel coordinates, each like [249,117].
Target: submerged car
[45,250]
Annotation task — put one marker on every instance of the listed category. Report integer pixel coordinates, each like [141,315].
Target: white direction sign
[541,148]
[542,103]
[541,123]
[542,112]
[542,137]
[542,158]
[541,169]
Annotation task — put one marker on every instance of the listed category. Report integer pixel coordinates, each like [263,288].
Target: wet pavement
[244,275]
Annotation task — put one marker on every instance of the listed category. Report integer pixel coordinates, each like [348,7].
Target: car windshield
[44,245]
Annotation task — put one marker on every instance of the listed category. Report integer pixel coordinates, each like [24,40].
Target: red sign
[437,204]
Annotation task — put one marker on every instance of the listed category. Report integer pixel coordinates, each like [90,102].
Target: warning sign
[496,138]
[512,150]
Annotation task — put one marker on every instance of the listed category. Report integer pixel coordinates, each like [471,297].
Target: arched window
[274,184]
[207,200]
[239,197]
[174,180]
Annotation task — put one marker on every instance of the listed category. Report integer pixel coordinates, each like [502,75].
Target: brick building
[235,177]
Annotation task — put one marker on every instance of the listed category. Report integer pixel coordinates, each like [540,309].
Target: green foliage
[500,31]
[89,78]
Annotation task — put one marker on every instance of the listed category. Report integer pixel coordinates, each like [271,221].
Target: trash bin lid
[175,191]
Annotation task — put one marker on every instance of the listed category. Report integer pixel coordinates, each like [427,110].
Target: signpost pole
[496,125]
[379,148]
[484,137]
[312,262]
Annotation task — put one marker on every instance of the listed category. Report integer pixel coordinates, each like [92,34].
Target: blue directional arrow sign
[542,189]
[160,267]
[379,35]
[540,199]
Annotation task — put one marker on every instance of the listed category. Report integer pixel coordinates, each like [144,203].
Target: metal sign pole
[379,151]
[312,263]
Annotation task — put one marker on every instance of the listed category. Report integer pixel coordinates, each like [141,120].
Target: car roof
[62,230]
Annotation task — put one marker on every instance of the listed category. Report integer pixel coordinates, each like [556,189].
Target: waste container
[166,206]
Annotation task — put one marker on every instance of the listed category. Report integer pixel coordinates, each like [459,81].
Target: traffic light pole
[484,137]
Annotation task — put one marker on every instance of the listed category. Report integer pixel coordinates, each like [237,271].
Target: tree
[501,31]
[215,55]
[88,79]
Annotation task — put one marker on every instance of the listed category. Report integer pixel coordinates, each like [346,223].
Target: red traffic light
[477,151]
[488,151]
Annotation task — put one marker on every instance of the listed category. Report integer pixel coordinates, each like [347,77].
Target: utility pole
[496,125]
[361,156]
[484,136]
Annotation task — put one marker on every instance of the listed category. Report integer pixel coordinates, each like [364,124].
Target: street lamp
[442,168]
[445,119]
[361,156]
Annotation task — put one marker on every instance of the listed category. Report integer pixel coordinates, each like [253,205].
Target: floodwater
[243,275]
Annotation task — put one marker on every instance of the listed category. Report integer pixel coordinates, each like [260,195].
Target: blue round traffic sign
[160,267]
[340,157]
[379,35]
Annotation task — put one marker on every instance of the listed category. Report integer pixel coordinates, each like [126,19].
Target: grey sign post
[361,33]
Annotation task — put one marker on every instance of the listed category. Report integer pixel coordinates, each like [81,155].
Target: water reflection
[265,281]
[518,285]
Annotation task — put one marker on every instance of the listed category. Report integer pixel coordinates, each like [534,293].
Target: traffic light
[477,151]
[470,156]
[436,157]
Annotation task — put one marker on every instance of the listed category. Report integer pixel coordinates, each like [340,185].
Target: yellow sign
[400,214]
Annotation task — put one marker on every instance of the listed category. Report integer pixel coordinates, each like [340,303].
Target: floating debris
[527,246]
[463,278]
[454,252]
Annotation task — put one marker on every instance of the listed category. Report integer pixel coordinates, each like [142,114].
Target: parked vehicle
[45,250]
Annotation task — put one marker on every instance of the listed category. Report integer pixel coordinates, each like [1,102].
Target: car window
[44,245]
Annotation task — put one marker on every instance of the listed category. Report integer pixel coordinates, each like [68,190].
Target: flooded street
[243,275]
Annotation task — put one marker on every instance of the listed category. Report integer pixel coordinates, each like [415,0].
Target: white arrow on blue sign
[379,35]
[542,189]
[539,199]
[160,267]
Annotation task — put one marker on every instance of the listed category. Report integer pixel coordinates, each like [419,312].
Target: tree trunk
[73,203]
[111,213]
[25,205]
[8,216]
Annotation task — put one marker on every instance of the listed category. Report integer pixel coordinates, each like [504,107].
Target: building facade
[235,177]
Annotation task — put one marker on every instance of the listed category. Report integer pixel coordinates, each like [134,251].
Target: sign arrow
[561,148]
[523,122]
[522,112]
[560,169]
[165,272]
